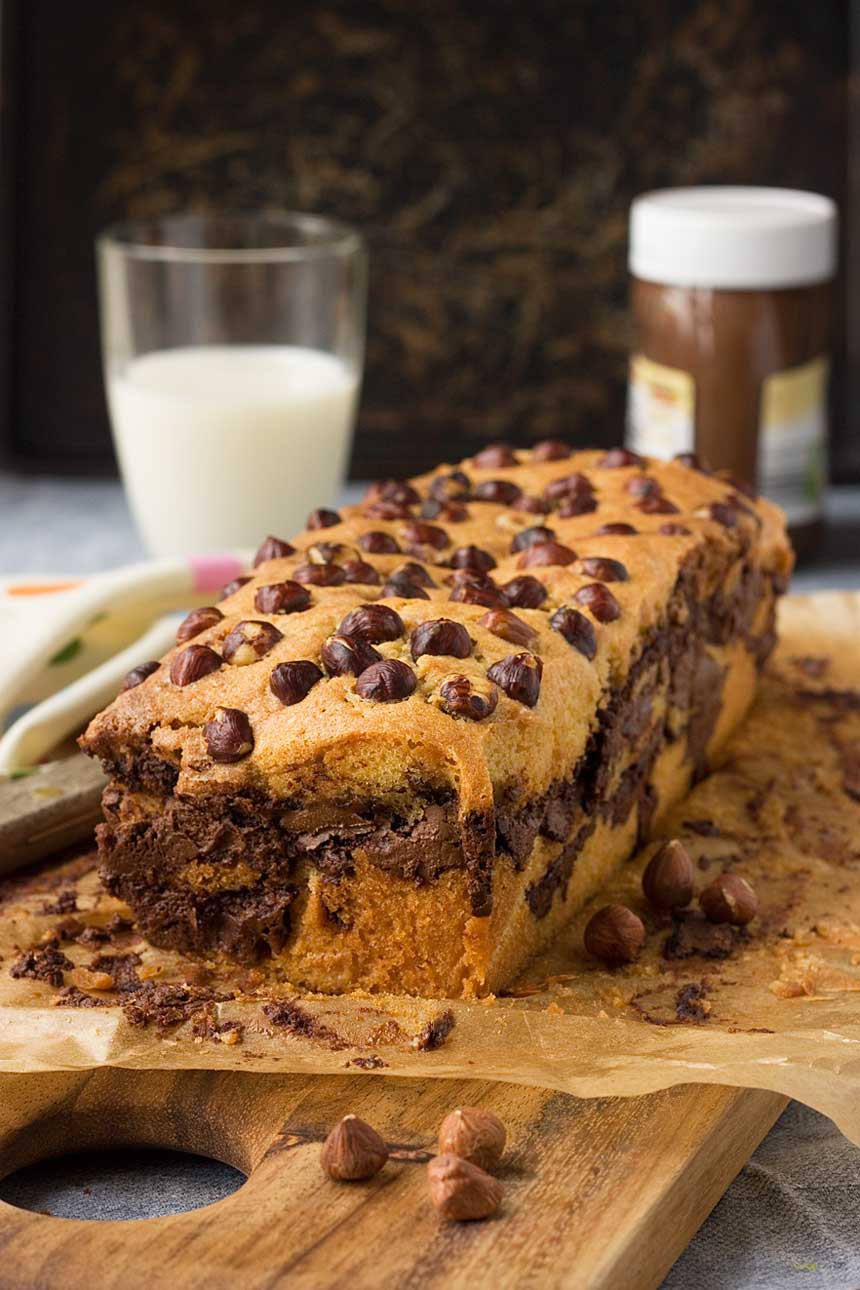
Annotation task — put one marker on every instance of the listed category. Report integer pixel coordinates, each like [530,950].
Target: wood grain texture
[598,1194]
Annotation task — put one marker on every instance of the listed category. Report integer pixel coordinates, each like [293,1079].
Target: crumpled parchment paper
[774,1007]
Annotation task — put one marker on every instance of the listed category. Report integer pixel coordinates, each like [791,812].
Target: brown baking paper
[775,1007]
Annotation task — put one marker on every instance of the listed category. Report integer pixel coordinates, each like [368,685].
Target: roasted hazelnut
[375,542]
[533,505]
[576,629]
[722,513]
[453,512]
[620,530]
[353,1151]
[360,571]
[598,566]
[643,486]
[656,506]
[347,655]
[193,663]
[503,623]
[729,899]
[690,460]
[455,486]
[495,455]
[387,511]
[440,636]
[461,1191]
[525,593]
[617,457]
[472,557]
[248,642]
[272,549]
[393,490]
[478,593]
[138,675]
[575,485]
[403,587]
[518,676]
[322,519]
[462,696]
[292,682]
[372,623]
[230,588]
[474,1135]
[415,573]
[320,575]
[742,485]
[546,553]
[199,620]
[531,537]
[584,504]
[228,735]
[551,450]
[501,491]
[673,530]
[388,681]
[282,598]
[599,600]
[614,935]
[330,553]
[668,880]
[424,535]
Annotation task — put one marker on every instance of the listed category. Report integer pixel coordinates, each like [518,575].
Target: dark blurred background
[488,151]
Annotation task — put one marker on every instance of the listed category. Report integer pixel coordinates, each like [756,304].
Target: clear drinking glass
[233,348]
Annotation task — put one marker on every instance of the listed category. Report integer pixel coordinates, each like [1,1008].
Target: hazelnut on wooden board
[668,880]
[474,1135]
[352,1151]
[729,899]
[614,935]
[462,1191]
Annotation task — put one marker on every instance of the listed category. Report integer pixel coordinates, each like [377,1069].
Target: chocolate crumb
[289,1015]
[165,1005]
[704,828]
[65,903]
[434,1034]
[68,929]
[122,968]
[45,963]
[688,1004]
[810,666]
[694,937]
[367,1063]
[72,997]
[92,936]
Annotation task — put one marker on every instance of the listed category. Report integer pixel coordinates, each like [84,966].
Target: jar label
[792,450]
[661,409]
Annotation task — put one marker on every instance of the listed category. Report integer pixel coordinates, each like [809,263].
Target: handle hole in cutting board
[133,1182]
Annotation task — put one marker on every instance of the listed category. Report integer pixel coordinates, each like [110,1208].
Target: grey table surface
[790,1218]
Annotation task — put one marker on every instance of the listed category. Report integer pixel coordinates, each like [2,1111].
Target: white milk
[221,444]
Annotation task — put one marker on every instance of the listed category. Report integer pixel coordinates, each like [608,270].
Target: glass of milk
[233,347]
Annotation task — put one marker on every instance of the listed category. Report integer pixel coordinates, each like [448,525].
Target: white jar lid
[741,238]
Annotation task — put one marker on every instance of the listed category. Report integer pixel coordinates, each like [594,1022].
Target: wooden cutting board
[599,1195]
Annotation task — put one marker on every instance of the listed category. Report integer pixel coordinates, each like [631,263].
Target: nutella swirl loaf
[408,747]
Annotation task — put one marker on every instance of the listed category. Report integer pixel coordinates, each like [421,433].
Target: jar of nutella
[731,299]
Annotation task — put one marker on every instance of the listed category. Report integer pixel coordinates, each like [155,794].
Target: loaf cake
[402,752]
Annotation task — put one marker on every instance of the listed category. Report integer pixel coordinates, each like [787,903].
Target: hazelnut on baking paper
[668,880]
[729,899]
[615,935]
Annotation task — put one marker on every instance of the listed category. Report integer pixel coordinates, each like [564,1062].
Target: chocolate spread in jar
[731,298]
